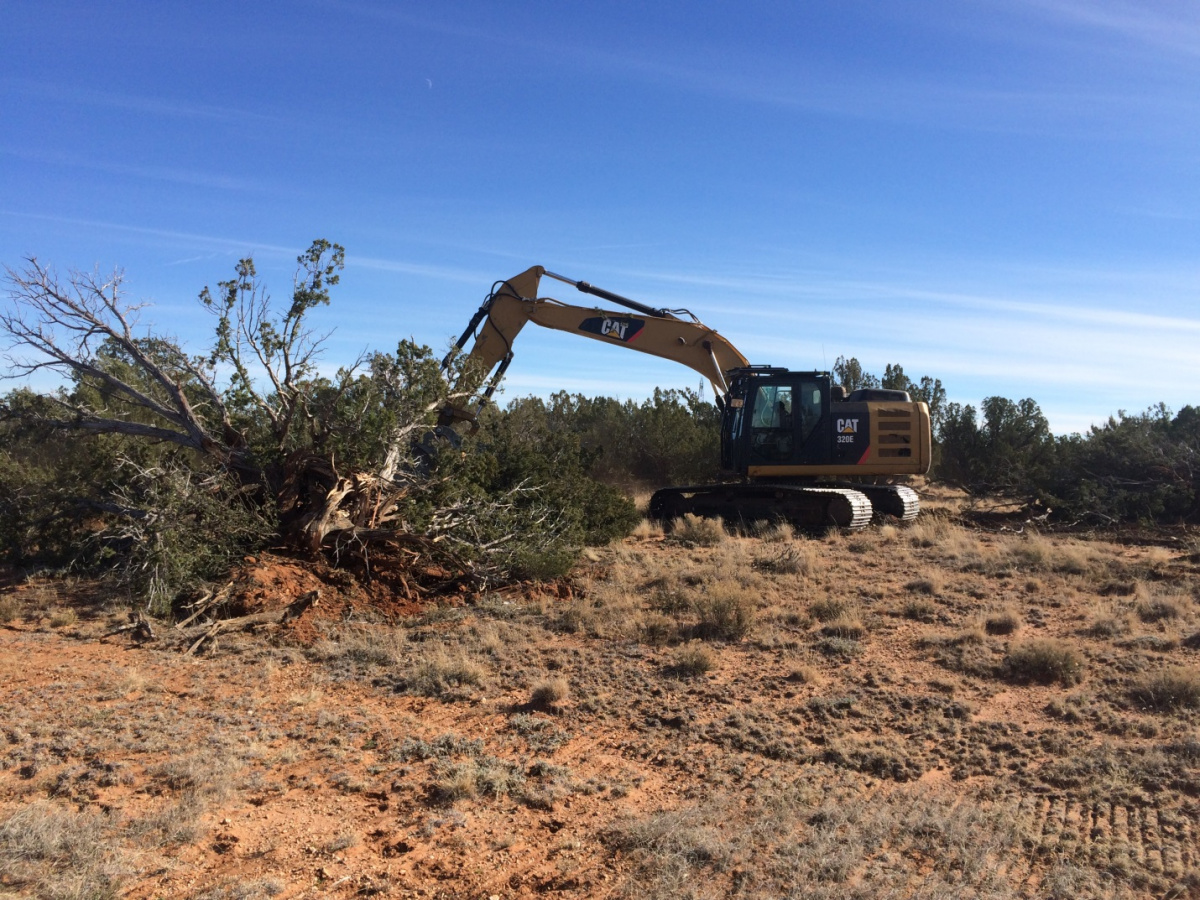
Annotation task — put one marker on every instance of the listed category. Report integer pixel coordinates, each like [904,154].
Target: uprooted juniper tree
[168,465]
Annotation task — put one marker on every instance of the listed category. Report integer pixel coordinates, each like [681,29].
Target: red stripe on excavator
[864,456]
[633,336]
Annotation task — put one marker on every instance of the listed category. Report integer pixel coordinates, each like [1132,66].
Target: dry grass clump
[440,673]
[847,626]
[487,638]
[975,633]
[10,608]
[658,629]
[1111,621]
[698,530]
[549,692]
[778,532]
[364,646]
[1156,607]
[59,853]
[203,772]
[1177,688]
[931,585]
[62,617]
[606,611]
[692,660]
[669,595]
[919,610]
[177,821]
[725,611]
[799,842]
[932,532]
[967,651]
[484,776]
[790,559]
[829,608]
[1035,552]
[1044,661]
[1002,621]
[647,530]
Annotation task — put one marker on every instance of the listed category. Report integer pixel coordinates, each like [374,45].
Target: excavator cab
[775,417]
[798,426]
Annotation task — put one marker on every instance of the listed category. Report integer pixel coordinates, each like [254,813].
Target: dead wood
[138,627]
[208,602]
[196,636]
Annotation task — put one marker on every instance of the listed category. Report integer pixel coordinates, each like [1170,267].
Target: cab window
[772,431]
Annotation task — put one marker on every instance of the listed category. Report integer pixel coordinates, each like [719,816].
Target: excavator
[794,445]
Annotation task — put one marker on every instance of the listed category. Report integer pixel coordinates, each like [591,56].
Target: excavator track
[889,500]
[810,508]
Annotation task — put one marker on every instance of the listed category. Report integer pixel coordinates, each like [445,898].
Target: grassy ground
[924,711]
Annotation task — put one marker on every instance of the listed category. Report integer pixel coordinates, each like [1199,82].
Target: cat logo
[619,328]
[847,426]
[614,328]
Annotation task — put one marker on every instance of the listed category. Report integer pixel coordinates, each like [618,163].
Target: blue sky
[1005,195]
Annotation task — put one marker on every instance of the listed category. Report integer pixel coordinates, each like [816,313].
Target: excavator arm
[515,302]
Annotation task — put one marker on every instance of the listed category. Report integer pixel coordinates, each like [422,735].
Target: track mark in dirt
[1121,839]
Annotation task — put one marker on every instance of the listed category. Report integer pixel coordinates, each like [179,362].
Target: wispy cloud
[145,104]
[193,239]
[1173,28]
[444,273]
[148,172]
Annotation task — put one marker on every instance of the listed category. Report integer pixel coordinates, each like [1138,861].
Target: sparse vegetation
[919,610]
[1159,608]
[828,609]
[846,626]
[790,559]
[440,673]
[929,586]
[549,693]
[10,608]
[1045,661]
[1177,688]
[729,729]
[700,531]
[725,612]
[1002,621]
[692,660]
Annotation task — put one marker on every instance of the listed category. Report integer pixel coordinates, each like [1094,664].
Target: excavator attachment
[514,303]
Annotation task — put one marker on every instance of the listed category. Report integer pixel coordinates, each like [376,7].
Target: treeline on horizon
[1141,467]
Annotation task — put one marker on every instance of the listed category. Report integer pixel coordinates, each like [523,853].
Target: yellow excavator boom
[515,302]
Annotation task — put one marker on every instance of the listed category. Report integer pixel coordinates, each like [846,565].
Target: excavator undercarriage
[809,507]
